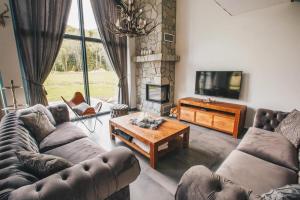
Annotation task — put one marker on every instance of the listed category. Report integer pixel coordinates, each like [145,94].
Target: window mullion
[86,39]
[84,55]
[89,39]
[72,37]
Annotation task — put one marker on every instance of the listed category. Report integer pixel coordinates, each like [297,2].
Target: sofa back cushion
[14,137]
[60,113]
[269,146]
[64,133]
[268,119]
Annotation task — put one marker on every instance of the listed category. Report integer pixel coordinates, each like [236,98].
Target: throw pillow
[38,108]
[38,124]
[288,192]
[290,128]
[43,109]
[42,165]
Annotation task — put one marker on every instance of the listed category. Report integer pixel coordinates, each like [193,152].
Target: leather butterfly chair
[82,110]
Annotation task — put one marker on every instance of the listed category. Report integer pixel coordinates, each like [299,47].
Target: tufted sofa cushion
[268,119]
[94,179]
[106,176]
[14,137]
[199,183]
[263,160]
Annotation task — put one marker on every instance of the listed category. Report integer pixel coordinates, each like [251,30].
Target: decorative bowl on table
[145,120]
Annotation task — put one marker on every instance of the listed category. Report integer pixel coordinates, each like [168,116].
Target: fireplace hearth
[157,93]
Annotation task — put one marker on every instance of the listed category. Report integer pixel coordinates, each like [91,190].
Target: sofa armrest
[202,184]
[268,119]
[94,179]
[60,113]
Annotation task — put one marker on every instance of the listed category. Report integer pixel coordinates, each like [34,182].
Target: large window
[82,64]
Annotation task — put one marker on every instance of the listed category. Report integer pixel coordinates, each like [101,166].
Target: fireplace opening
[157,93]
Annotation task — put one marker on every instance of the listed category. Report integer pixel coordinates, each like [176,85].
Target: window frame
[83,39]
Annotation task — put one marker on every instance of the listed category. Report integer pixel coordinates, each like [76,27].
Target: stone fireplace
[158,68]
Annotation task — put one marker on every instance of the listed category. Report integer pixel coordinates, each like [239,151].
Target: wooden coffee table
[166,132]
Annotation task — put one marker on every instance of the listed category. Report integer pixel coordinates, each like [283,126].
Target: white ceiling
[235,7]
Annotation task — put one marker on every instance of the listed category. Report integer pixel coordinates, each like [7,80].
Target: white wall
[131,72]
[9,63]
[265,44]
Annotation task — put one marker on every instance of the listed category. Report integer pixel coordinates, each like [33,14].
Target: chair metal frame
[83,118]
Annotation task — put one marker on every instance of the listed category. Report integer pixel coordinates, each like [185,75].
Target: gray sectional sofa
[263,160]
[95,175]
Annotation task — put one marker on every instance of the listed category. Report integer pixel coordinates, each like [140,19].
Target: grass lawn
[103,84]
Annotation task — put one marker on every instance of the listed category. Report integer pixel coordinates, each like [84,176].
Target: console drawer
[224,123]
[187,114]
[204,118]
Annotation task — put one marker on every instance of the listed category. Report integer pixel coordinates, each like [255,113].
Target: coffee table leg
[186,137]
[111,129]
[153,155]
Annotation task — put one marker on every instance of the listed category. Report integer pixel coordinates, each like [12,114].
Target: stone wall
[154,40]
[168,25]
[159,71]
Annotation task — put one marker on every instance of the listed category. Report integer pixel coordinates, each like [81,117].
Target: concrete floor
[207,147]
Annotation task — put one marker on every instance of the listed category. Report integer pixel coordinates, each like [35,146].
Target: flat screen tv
[219,83]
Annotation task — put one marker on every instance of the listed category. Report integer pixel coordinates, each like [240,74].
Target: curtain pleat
[116,47]
[40,27]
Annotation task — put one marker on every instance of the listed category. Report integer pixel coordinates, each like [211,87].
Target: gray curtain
[39,27]
[116,47]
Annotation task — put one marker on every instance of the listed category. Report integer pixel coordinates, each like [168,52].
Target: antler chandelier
[132,20]
[4,16]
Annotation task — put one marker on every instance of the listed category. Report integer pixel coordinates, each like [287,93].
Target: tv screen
[219,83]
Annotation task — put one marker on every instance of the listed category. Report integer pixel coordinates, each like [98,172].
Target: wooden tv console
[221,116]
